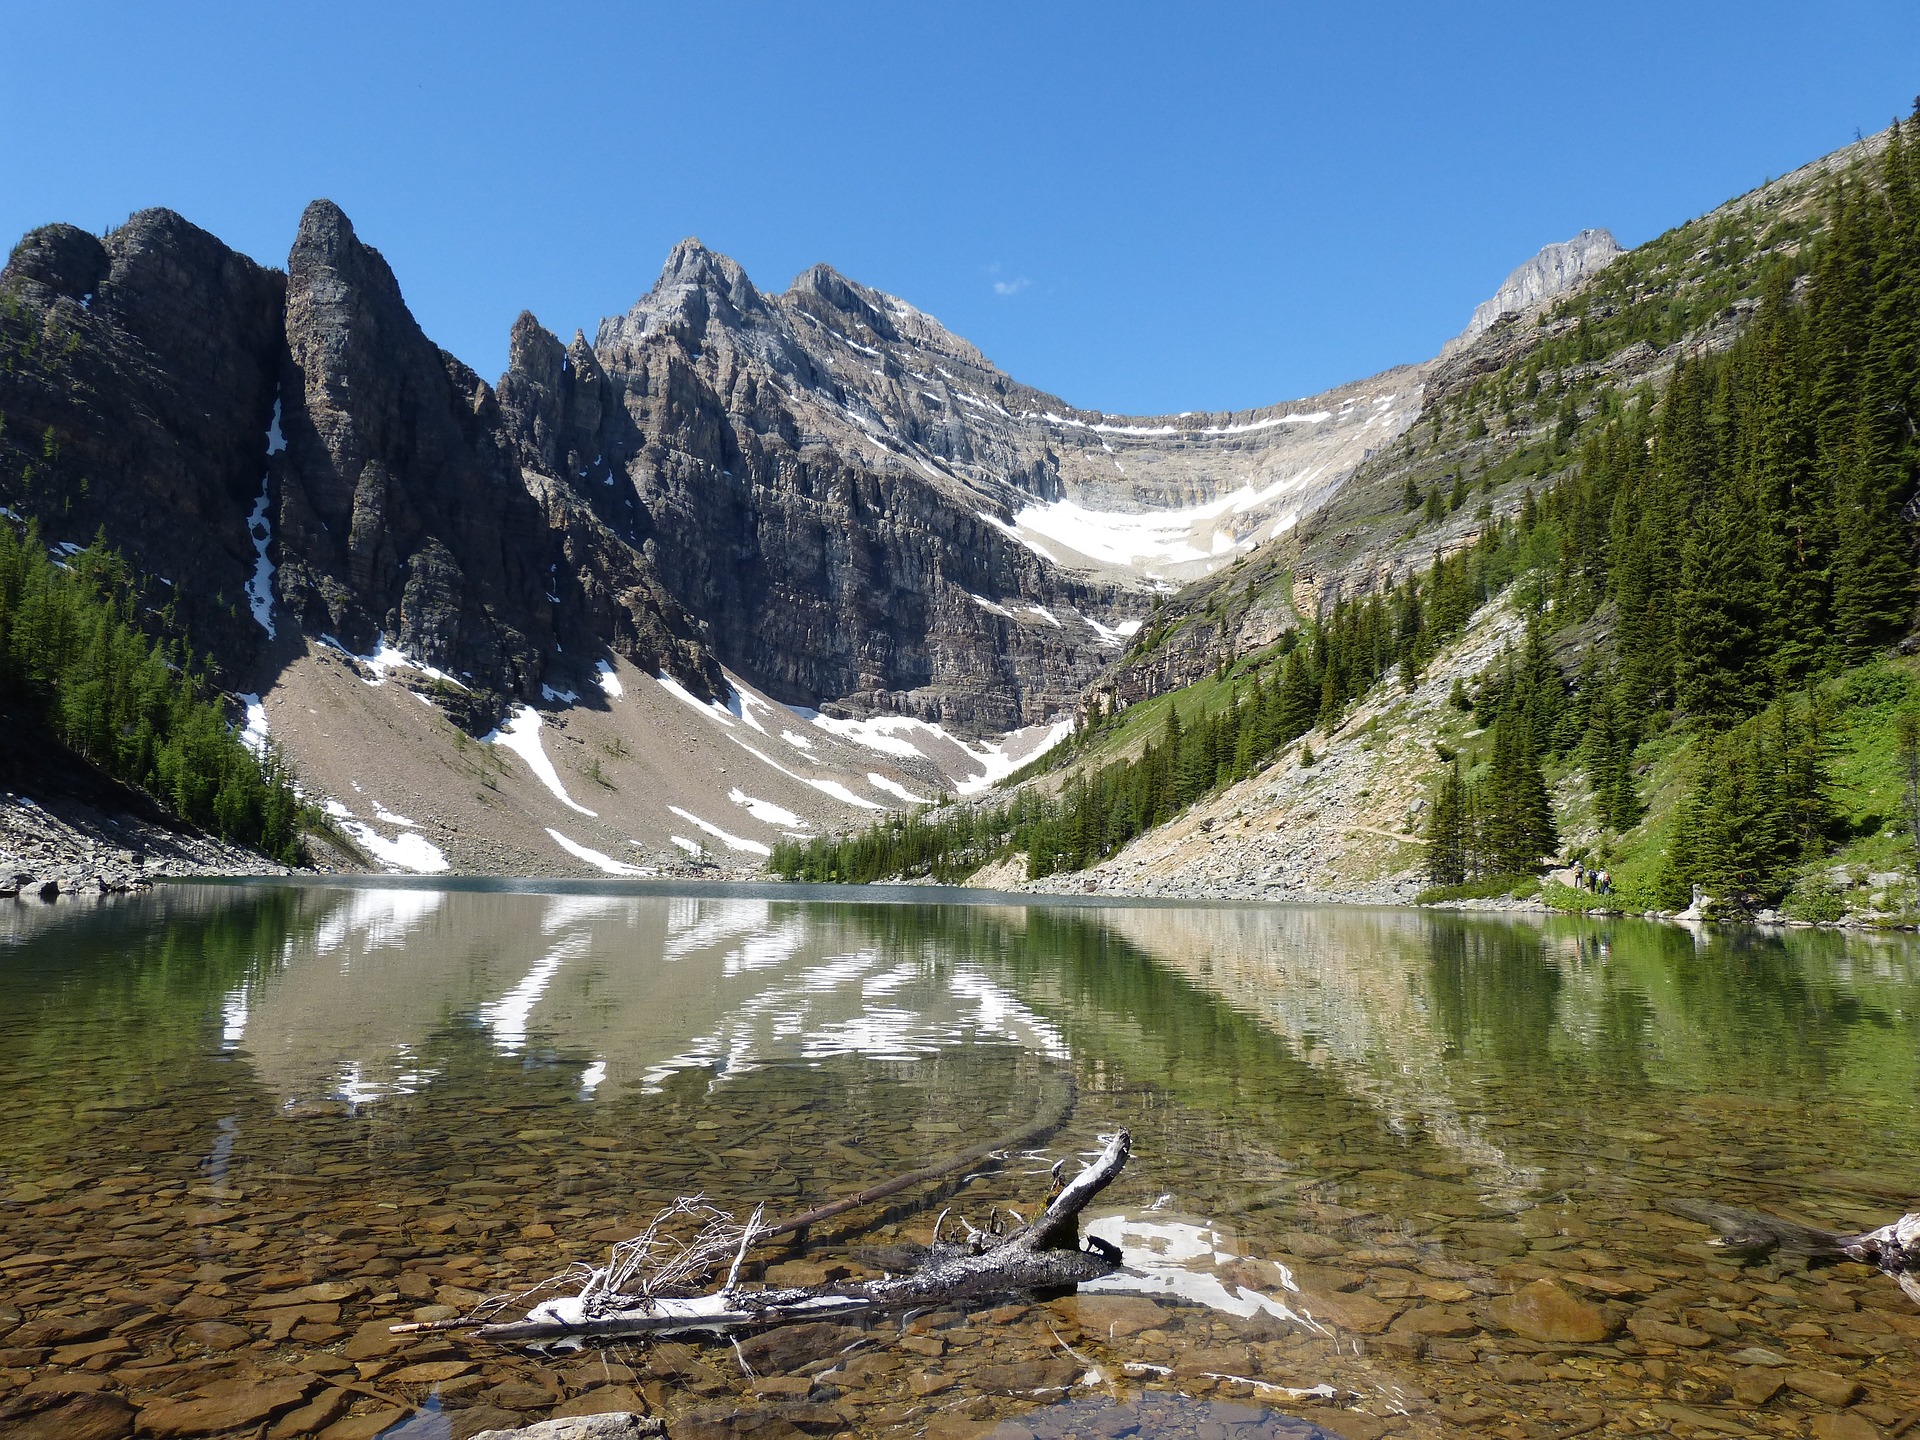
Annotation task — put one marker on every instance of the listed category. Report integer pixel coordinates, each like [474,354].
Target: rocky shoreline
[51,848]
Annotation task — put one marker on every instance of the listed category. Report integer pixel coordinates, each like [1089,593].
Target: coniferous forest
[1709,561]
[75,659]
[1741,537]
[1309,680]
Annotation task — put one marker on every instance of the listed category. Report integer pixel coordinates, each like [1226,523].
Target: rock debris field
[50,848]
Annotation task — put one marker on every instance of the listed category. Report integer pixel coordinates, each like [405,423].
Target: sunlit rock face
[870,517]
[281,454]
[137,397]
[1556,269]
[823,489]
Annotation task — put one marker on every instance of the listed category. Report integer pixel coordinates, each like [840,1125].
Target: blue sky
[1140,208]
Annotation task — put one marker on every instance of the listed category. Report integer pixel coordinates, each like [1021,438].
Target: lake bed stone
[223,1405]
[1546,1312]
[1756,1385]
[1116,1316]
[79,1417]
[1824,1386]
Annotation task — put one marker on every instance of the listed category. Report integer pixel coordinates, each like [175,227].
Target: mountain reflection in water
[629,990]
[1355,1130]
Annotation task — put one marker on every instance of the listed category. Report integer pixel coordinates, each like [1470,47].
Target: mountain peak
[828,283]
[690,262]
[324,228]
[822,285]
[1553,271]
[696,286]
[534,351]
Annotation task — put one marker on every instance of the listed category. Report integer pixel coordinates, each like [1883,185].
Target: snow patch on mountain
[521,735]
[599,859]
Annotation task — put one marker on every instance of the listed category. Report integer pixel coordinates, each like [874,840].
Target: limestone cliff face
[822,489]
[163,384]
[701,430]
[1551,273]
[840,490]
[401,515]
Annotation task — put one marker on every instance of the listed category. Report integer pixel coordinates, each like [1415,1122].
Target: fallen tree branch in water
[1042,1256]
[696,1257]
[1894,1249]
[1044,1126]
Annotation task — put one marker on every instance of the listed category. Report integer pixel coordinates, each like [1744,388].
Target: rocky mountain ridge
[1011,539]
[1552,272]
[1362,537]
[819,499]
[1510,413]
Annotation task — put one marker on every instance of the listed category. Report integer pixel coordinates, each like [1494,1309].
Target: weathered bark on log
[1045,1255]
[1893,1248]
[1042,1127]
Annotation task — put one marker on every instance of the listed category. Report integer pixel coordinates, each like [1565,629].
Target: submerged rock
[1545,1312]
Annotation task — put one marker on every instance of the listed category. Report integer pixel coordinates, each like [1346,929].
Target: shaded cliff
[288,454]
[136,391]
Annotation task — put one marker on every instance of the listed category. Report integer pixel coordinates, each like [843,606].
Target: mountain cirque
[819,500]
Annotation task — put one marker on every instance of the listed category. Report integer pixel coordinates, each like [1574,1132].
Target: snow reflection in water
[1392,1112]
[1179,1259]
[628,990]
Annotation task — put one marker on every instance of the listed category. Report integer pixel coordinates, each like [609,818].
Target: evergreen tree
[1447,831]
[74,659]
[1873,573]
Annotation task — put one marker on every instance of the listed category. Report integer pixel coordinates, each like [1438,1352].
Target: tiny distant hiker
[1605,885]
[1579,876]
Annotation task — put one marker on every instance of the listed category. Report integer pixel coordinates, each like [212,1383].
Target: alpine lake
[1394,1173]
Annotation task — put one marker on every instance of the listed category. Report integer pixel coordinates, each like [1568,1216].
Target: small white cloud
[1005,287]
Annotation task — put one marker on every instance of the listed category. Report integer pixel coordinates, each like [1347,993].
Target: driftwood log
[1893,1249]
[1046,1255]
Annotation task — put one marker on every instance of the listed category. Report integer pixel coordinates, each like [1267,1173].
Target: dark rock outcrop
[707,433]
[137,400]
[402,516]
[160,384]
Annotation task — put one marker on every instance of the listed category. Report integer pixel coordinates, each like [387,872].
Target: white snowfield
[1002,760]
[521,735]
[988,761]
[409,851]
[254,735]
[732,842]
[826,787]
[894,787]
[599,859]
[765,811]
[885,733]
[1115,636]
[388,657]
[1133,539]
[708,708]
[260,583]
[260,532]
